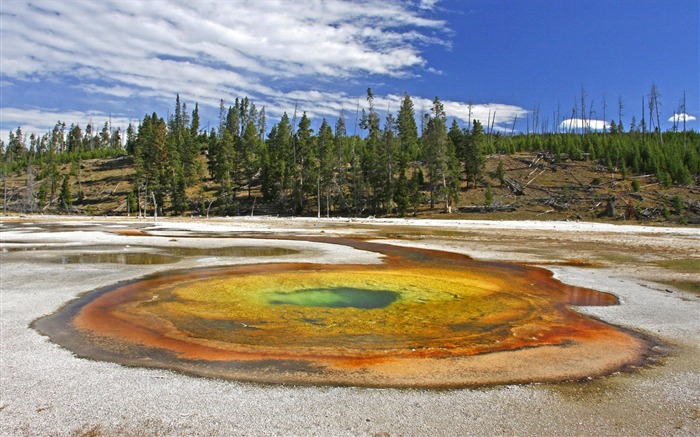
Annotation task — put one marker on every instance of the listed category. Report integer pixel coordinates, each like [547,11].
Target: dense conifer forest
[399,166]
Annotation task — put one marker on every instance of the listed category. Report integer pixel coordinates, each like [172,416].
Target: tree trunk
[448,208]
[155,207]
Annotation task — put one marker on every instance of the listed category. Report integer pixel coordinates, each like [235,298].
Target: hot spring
[422,318]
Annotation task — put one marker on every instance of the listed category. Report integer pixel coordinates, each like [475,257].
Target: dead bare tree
[620,105]
[643,123]
[605,107]
[469,106]
[488,126]
[30,198]
[654,104]
[574,114]
[535,118]
[155,207]
[583,110]
[527,122]
[4,183]
[685,117]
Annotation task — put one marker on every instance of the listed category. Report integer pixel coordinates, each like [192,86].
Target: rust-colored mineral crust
[421,319]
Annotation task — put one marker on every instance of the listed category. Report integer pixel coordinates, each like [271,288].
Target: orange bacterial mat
[422,318]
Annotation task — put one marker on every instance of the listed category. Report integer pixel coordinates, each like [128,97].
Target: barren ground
[46,390]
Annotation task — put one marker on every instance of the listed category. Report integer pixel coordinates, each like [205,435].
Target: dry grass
[554,191]
[686,265]
[685,285]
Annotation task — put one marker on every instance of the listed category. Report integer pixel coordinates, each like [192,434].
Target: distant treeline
[390,168]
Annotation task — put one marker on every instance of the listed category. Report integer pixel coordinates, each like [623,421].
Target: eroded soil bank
[47,390]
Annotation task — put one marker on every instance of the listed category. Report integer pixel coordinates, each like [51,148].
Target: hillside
[535,187]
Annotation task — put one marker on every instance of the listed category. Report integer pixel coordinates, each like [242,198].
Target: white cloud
[240,44]
[427,4]
[679,118]
[501,115]
[574,124]
[41,121]
[316,104]
[319,104]
[209,50]
[279,53]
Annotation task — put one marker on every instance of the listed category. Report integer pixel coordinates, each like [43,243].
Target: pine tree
[74,142]
[154,159]
[248,154]
[414,189]
[285,143]
[501,173]
[337,166]
[29,198]
[16,148]
[407,131]
[277,172]
[473,158]
[458,138]
[178,196]
[225,169]
[402,196]
[270,171]
[440,158]
[65,198]
[104,137]
[371,162]
[327,161]
[58,138]
[233,121]
[408,151]
[488,196]
[386,165]
[305,164]
[277,164]
[633,125]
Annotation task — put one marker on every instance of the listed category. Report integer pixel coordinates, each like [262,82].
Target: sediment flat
[47,390]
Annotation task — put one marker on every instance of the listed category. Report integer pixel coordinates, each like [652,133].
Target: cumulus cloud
[679,118]
[574,124]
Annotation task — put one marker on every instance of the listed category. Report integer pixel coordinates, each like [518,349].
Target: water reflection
[234,251]
[132,258]
[105,254]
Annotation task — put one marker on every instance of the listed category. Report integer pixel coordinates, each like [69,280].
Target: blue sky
[77,61]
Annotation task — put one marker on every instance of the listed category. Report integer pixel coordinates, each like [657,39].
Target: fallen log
[489,208]
[514,186]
